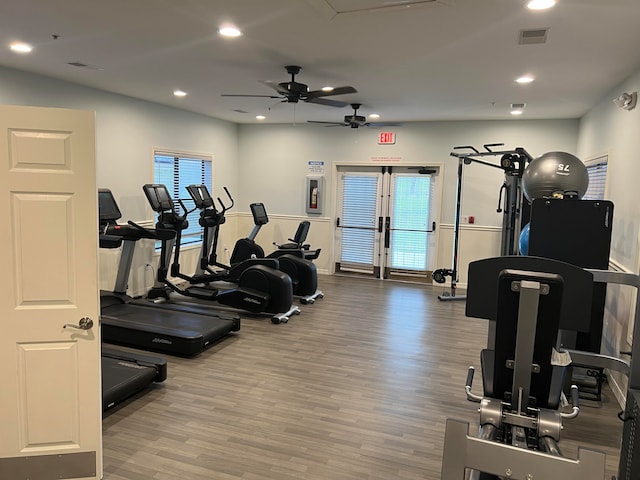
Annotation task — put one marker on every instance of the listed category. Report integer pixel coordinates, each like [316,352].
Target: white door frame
[334,190]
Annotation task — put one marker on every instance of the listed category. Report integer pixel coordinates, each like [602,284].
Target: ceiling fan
[293,92]
[355,120]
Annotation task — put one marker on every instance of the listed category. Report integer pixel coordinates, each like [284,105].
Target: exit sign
[386,138]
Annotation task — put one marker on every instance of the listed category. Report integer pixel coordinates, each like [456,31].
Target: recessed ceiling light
[179,93]
[374,115]
[516,112]
[540,4]
[260,117]
[20,47]
[229,31]
[327,89]
[524,79]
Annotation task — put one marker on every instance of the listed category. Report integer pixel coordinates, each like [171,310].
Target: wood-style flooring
[358,386]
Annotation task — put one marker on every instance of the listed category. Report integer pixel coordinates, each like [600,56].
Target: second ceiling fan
[356,121]
[294,92]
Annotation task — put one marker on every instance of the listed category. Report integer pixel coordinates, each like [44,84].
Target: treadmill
[124,374]
[183,330]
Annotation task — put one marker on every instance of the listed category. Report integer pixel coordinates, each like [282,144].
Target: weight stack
[629,467]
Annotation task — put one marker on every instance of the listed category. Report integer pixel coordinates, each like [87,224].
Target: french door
[385,221]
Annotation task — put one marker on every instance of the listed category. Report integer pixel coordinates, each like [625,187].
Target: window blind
[597,181]
[176,172]
[358,217]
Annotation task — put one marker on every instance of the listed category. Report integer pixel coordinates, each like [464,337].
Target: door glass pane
[409,222]
[359,195]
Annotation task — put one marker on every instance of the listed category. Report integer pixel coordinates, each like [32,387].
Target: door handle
[387,232]
[85,323]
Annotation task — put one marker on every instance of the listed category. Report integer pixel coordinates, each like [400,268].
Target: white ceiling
[433,60]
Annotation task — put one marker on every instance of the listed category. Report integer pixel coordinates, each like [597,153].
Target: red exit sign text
[386,138]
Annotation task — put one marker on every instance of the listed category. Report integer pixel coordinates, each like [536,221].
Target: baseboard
[618,392]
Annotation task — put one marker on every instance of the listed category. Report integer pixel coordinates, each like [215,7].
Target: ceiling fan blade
[384,124]
[242,95]
[326,101]
[328,124]
[336,91]
[276,86]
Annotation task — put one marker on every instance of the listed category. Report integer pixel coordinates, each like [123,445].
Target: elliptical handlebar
[185,210]
[222,205]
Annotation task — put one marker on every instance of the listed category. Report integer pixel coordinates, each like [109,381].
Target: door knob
[85,323]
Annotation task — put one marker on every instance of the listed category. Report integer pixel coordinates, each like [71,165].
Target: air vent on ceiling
[518,106]
[240,111]
[533,37]
[334,8]
[85,66]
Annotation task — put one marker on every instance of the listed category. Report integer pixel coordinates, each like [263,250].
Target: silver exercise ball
[555,174]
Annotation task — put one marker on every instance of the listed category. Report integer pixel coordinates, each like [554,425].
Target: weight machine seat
[546,335]
[568,306]
[482,292]
[487,363]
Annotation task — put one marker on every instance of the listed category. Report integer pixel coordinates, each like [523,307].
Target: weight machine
[513,163]
[520,422]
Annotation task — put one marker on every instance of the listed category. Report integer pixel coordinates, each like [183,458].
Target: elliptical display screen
[259,214]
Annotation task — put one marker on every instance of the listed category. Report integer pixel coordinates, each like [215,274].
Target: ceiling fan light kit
[356,121]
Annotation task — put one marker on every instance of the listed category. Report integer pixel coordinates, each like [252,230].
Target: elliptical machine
[303,272]
[209,268]
[246,252]
[260,289]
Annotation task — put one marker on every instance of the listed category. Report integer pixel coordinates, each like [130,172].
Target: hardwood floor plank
[358,387]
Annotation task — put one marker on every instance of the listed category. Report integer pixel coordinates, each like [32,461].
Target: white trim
[619,391]
[471,226]
[283,217]
[616,388]
[182,153]
[439,184]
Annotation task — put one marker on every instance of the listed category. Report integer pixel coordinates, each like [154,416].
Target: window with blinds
[410,222]
[359,202]
[597,170]
[176,172]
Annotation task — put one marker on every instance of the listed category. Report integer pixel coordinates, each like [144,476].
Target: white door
[50,405]
[385,221]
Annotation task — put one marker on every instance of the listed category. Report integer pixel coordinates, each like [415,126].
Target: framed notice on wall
[314,194]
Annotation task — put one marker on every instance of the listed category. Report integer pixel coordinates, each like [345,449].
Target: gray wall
[606,129]
[126,131]
[274,158]
[268,163]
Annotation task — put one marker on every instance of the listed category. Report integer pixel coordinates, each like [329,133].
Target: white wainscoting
[282,227]
[238,225]
[619,311]
[476,242]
